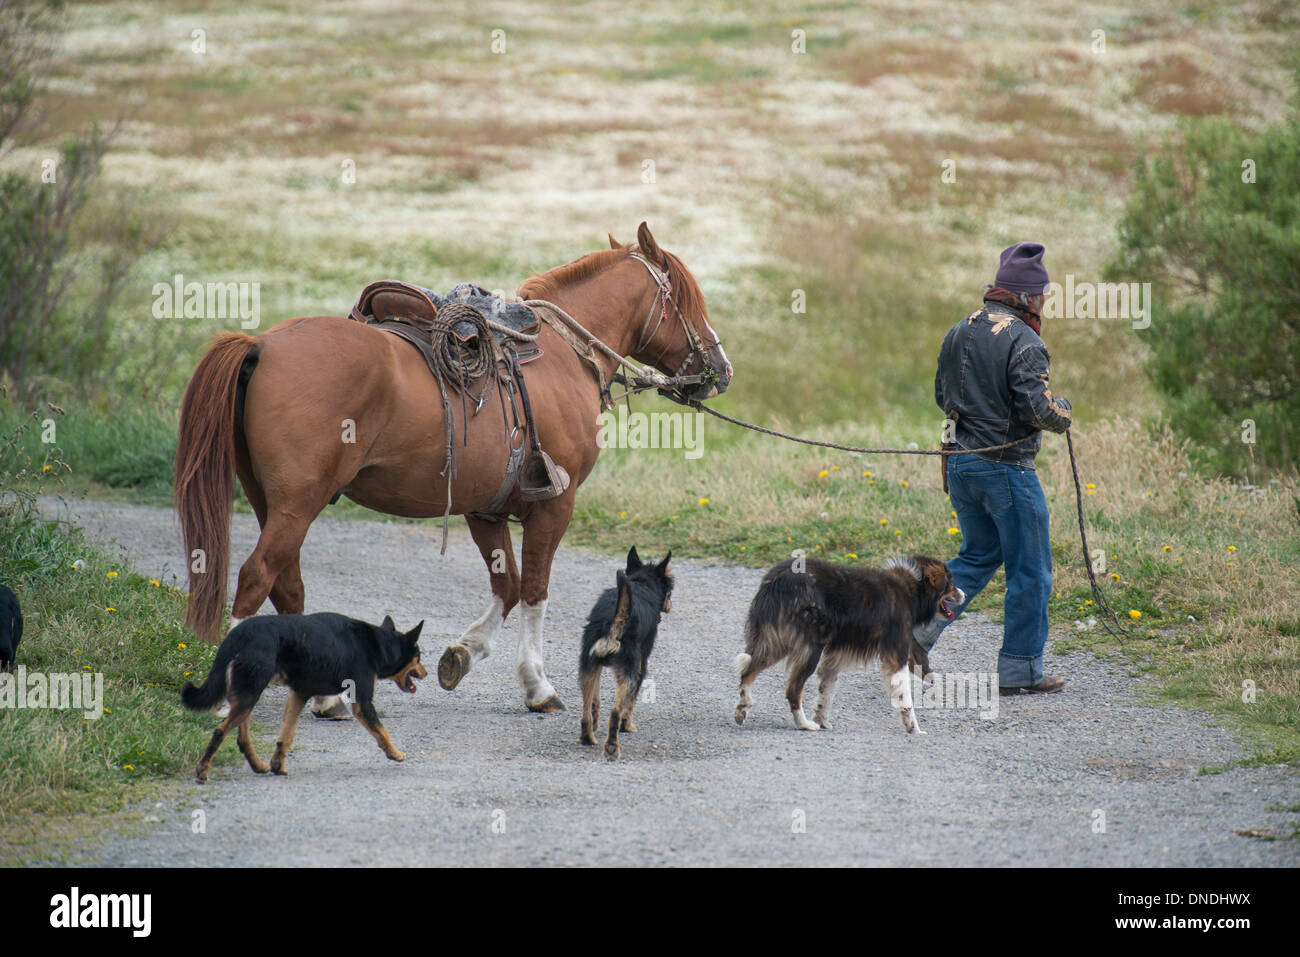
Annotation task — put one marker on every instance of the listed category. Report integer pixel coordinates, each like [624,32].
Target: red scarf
[1004,297]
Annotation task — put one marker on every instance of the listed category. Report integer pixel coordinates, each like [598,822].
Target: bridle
[651,327]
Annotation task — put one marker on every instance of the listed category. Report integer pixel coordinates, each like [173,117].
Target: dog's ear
[614,243]
[633,560]
[389,624]
[936,576]
[663,565]
[649,248]
[414,634]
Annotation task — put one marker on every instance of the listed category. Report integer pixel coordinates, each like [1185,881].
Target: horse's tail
[204,483]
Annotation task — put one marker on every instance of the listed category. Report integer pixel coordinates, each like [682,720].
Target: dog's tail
[612,640]
[212,692]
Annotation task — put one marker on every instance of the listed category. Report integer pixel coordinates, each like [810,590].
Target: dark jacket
[993,374]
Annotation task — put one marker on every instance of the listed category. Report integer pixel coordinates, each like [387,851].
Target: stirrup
[542,479]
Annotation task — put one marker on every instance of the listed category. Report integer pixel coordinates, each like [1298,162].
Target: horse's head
[676,338]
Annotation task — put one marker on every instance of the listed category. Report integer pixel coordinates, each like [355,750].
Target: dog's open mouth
[408,683]
[943,607]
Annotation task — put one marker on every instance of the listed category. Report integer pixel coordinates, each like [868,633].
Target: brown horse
[320,405]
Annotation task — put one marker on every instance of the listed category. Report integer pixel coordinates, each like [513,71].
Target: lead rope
[1116,629]
[1114,626]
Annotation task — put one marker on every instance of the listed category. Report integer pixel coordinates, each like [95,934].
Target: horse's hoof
[549,706]
[453,666]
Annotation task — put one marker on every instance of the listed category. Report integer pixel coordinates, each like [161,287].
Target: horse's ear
[633,560]
[648,245]
[614,243]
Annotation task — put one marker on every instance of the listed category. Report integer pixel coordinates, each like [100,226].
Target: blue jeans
[1004,521]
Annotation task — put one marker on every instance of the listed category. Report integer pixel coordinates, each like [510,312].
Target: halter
[651,328]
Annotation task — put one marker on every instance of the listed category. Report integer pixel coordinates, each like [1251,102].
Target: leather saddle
[408,311]
[391,300]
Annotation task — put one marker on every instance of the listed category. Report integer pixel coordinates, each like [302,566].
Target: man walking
[992,385]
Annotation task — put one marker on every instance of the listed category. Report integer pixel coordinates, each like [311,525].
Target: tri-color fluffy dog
[810,611]
[620,635]
[321,654]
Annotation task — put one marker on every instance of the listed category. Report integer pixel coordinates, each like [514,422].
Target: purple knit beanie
[1022,270]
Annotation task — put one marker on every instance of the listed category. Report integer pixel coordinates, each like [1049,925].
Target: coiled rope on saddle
[462,362]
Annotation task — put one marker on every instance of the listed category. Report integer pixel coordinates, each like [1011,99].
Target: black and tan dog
[11,629]
[321,654]
[620,635]
[810,611]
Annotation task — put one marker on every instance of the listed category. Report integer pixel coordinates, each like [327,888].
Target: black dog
[620,635]
[320,654]
[11,629]
[808,611]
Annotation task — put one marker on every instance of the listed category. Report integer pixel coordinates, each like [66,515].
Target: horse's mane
[685,290]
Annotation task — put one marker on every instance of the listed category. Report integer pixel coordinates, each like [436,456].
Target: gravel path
[487,783]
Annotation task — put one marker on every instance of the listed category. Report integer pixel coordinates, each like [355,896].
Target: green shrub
[1214,225]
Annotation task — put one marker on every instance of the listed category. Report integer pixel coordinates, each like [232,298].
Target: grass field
[776,174]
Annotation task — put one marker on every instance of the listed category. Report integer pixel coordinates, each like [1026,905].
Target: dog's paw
[740,716]
[824,724]
[802,723]
[611,750]
[396,755]
[279,769]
